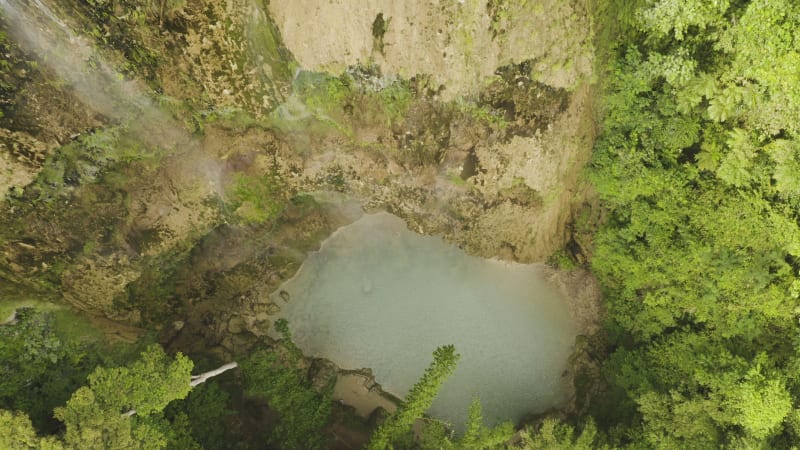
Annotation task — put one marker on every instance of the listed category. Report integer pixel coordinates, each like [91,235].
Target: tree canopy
[277,378]
[418,399]
[698,166]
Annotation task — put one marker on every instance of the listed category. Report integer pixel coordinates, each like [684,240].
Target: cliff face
[458,43]
[525,66]
[187,202]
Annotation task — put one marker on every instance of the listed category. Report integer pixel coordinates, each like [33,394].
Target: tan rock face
[457,43]
[236,325]
[16,170]
[230,54]
[172,206]
[93,284]
[514,203]
[525,189]
[45,119]
[547,165]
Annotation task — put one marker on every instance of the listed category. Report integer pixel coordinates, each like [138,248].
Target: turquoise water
[380,296]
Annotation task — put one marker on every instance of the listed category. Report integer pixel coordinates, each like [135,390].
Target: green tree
[17,433]
[477,436]
[276,377]
[202,418]
[114,410]
[437,435]
[553,435]
[700,256]
[676,16]
[41,365]
[418,399]
[28,349]
[119,409]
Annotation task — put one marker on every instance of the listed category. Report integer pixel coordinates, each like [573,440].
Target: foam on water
[380,296]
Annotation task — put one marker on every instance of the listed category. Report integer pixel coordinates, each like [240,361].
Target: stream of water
[380,296]
[74,60]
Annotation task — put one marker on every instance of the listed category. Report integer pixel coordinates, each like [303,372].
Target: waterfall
[87,74]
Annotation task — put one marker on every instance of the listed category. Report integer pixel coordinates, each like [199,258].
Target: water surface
[380,296]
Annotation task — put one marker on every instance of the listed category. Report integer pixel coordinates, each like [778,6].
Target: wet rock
[169,334]
[273,309]
[284,295]
[26,246]
[227,343]
[92,284]
[274,279]
[236,325]
[377,417]
[323,373]
[259,329]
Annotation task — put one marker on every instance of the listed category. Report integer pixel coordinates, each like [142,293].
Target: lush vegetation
[276,377]
[699,167]
[418,399]
[258,200]
[61,387]
[40,367]
[117,406]
[149,403]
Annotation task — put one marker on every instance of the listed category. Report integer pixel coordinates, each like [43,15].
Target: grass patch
[359,97]
[483,113]
[7,307]
[258,199]
[562,260]
[456,179]
[72,327]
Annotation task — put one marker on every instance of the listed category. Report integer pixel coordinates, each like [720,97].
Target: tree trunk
[203,377]
[198,379]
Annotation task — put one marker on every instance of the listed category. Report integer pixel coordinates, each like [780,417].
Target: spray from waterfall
[72,58]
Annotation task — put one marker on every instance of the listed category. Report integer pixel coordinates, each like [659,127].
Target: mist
[87,74]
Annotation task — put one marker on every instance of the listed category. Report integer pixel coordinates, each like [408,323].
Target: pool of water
[380,296]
